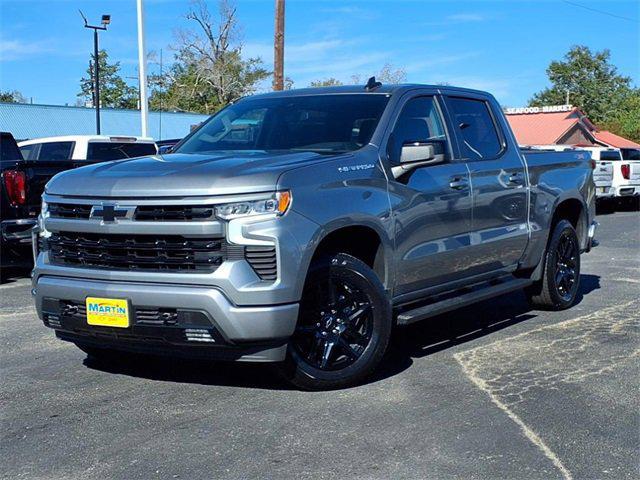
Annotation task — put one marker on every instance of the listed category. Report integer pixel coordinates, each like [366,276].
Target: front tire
[343,327]
[558,287]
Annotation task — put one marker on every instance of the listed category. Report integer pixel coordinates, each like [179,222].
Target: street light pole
[96,79]
[278,47]
[142,72]
[106,20]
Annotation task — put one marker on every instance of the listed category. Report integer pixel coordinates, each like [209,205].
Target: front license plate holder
[108,312]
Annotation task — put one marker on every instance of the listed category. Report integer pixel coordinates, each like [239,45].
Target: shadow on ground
[9,275]
[414,341]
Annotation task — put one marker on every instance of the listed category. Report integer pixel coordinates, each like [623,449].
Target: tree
[12,96]
[626,121]
[328,82]
[388,74]
[209,71]
[114,91]
[592,82]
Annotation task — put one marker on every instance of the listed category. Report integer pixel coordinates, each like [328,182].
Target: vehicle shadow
[202,372]
[9,275]
[414,341]
[460,326]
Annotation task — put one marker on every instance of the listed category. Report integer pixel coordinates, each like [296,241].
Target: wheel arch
[360,240]
[573,210]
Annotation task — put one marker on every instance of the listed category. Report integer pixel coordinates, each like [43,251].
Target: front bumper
[256,333]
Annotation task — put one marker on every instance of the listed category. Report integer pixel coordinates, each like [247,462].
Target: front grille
[64,210]
[170,253]
[179,213]
[143,213]
[263,261]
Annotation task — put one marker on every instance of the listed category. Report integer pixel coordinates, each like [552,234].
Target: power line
[602,12]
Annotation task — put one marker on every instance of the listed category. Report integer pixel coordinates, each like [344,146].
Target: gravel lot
[492,391]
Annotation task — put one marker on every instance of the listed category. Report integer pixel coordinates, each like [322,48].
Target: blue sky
[503,46]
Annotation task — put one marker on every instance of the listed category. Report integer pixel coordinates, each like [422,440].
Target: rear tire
[558,287]
[343,327]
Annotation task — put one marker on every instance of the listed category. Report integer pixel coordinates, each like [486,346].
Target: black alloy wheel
[557,289]
[344,325]
[336,324]
[566,255]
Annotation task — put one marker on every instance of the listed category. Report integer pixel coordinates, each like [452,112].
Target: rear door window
[476,128]
[56,151]
[118,150]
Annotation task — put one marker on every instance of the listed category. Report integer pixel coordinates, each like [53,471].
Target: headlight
[278,204]
[44,213]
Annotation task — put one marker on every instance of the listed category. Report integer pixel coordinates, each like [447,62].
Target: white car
[87,147]
[626,173]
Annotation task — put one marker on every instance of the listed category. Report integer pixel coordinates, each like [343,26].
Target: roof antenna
[372,84]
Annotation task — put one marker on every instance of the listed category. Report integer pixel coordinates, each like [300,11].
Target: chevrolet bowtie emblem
[109,213]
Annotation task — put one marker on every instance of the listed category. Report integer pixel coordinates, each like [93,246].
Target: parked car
[29,165]
[16,218]
[625,173]
[96,148]
[301,226]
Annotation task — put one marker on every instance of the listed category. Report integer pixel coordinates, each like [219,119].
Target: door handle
[514,179]
[457,183]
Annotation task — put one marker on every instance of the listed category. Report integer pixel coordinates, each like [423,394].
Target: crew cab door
[431,204]
[498,182]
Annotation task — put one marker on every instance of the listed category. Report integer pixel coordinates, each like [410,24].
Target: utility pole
[142,71]
[278,48]
[106,20]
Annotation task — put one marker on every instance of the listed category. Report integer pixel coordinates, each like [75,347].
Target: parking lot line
[515,370]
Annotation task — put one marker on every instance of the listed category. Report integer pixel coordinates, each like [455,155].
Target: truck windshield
[610,155]
[118,150]
[317,123]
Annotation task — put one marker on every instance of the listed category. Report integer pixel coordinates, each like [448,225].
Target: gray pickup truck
[301,227]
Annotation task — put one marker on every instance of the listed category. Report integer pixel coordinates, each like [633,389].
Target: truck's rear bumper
[177,320]
[17,231]
[15,242]
[627,191]
[605,192]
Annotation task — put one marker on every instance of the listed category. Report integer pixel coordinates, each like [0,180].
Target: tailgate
[603,174]
[635,170]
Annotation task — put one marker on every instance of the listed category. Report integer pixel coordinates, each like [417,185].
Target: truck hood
[180,175]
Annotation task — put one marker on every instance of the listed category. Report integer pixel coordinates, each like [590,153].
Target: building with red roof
[560,125]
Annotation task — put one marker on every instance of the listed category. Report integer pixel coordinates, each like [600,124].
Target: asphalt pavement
[493,391]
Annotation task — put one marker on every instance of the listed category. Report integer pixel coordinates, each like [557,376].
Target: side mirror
[418,154]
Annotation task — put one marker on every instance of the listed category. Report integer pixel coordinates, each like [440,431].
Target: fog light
[198,335]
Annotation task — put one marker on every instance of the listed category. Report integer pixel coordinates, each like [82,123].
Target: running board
[453,303]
